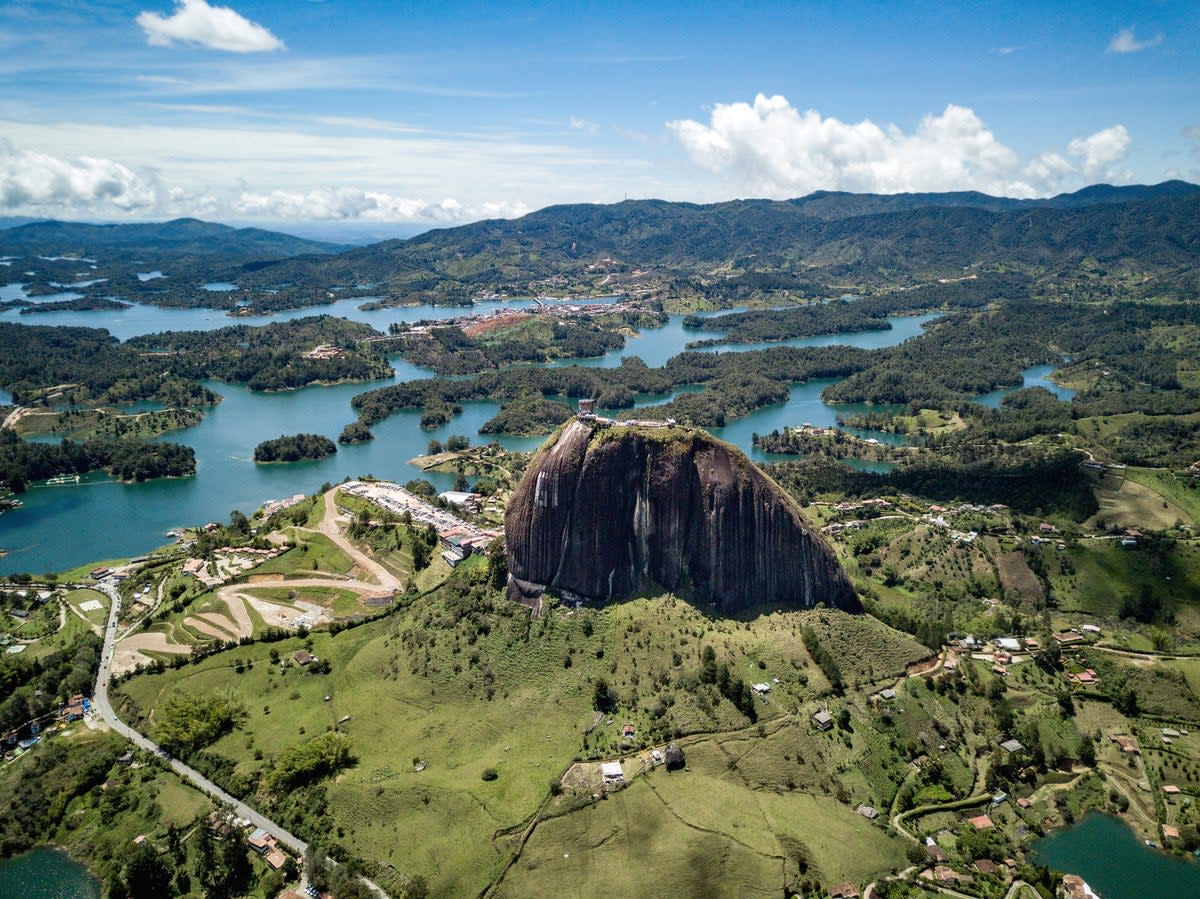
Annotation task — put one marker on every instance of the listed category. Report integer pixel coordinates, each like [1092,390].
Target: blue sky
[440,112]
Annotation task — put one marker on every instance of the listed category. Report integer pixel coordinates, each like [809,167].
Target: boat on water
[59,479]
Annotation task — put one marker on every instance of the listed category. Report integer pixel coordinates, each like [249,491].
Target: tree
[146,877]
[435,447]
[316,866]
[421,553]
[497,564]
[603,698]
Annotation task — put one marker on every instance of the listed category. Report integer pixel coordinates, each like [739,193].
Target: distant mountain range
[812,243]
[179,238]
[824,237]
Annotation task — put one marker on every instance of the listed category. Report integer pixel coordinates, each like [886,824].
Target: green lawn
[96,616]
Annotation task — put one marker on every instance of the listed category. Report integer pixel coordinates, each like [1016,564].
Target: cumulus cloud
[34,181]
[218,27]
[339,204]
[39,184]
[1102,154]
[1125,41]
[772,148]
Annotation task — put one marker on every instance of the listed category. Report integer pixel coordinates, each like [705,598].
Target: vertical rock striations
[604,507]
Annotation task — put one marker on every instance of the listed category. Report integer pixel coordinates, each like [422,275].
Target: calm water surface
[45,873]
[61,527]
[1037,376]
[1115,862]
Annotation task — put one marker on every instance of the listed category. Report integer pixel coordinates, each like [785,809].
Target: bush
[490,774]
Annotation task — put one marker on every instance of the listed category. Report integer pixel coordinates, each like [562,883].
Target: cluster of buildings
[225,826]
[459,538]
[587,412]
[271,506]
[230,561]
[324,351]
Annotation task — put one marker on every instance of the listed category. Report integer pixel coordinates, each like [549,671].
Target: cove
[46,873]
[1036,376]
[1106,853]
[60,527]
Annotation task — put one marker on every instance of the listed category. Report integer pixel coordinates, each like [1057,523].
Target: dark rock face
[604,507]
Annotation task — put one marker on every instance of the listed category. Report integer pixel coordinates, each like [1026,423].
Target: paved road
[103,708]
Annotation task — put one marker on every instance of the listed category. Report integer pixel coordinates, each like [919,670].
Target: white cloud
[33,181]
[771,148]
[1102,154]
[217,27]
[1125,41]
[39,184]
[339,204]
[584,125]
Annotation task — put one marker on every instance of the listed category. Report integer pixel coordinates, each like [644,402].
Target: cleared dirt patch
[303,613]
[496,323]
[216,626]
[128,655]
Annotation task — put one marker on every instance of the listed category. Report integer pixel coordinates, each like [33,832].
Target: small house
[612,773]
[1068,638]
[1172,790]
[761,689]
[886,694]
[261,841]
[628,731]
[1012,745]
[868,812]
[1170,833]
[1127,744]
[822,720]
[1009,644]
[302,658]
[985,866]
[981,822]
[844,891]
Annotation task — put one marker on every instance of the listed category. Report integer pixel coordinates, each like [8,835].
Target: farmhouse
[302,658]
[822,720]
[612,773]
[844,891]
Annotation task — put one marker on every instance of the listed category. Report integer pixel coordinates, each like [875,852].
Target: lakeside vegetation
[126,459]
[88,366]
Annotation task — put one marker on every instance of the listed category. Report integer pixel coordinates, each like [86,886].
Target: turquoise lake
[1115,862]
[46,873]
[64,526]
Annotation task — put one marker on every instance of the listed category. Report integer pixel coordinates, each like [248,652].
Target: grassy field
[1182,492]
[313,553]
[76,598]
[444,681]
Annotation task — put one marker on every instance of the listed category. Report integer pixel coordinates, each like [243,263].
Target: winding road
[103,707]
